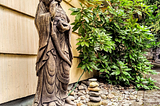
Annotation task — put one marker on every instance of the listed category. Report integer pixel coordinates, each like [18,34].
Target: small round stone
[133,97]
[110,96]
[105,102]
[72,93]
[93,80]
[95,99]
[94,89]
[71,97]
[82,97]
[80,94]
[79,104]
[94,94]
[86,82]
[93,84]
[87,96]
[94,104]
[81,87]
[70,86]
[103,96]
[82,91]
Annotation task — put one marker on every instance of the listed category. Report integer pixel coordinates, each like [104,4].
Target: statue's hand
[63,26]
[52,8]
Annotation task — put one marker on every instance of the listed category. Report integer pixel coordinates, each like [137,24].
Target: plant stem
[76,83]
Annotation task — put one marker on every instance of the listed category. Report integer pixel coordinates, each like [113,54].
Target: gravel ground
[100,93]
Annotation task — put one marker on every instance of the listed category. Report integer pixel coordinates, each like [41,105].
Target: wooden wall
[19,45]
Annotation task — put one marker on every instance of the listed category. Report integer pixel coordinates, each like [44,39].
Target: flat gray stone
[103,96]
[81,87]
[93,80]
[94,94]
[70,86]
[95,99]
[105,102]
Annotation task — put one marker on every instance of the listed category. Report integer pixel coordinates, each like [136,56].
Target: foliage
[113,42]
[152,19]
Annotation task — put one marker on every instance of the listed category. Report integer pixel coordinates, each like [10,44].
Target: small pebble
[93,80]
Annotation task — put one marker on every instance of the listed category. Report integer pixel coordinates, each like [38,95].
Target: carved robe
[54,56]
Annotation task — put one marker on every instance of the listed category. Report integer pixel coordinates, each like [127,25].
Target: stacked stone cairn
[95,99]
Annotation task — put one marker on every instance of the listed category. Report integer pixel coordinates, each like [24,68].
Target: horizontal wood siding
[17,76]
[18,33]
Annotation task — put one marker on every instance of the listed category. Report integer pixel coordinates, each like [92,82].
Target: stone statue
[54,54]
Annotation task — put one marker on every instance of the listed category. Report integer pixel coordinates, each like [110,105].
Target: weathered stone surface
[87,96]
[75,97]
[86,82]
[82,97]
[94,89]
[66,104]
[84,85]
[80,94]
[77,101]
[94,93]
[76,90]
[133,97]
[93,104]
[70,100]
[54,57]
[72,93]
[93,84]
[105,102]
[118,96]
[70,86]
[110,96]
[95,99]
[82,91]
[81,87]
[79,104]
[103,96]
[104,91]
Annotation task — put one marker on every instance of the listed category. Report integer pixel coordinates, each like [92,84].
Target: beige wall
[19,45]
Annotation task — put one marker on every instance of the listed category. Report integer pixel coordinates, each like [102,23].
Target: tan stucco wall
[19,45]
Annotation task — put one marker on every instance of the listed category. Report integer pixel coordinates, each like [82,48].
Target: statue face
[47,2]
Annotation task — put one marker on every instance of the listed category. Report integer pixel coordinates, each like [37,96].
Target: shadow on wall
[26,101]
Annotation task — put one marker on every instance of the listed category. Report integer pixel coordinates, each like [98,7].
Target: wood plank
[74,3]
[25,6]
[18,33]
[74,41]
[17,77]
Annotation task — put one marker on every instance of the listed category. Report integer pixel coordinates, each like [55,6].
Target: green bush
[113,42]
[152,19]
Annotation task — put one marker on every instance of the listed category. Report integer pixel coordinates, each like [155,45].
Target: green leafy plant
[113,42]
[152,19]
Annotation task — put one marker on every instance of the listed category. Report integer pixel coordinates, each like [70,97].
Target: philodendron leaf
[87,20]
[75,9]
[118,72]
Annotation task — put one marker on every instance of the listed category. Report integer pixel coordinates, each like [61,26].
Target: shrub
[113,42]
